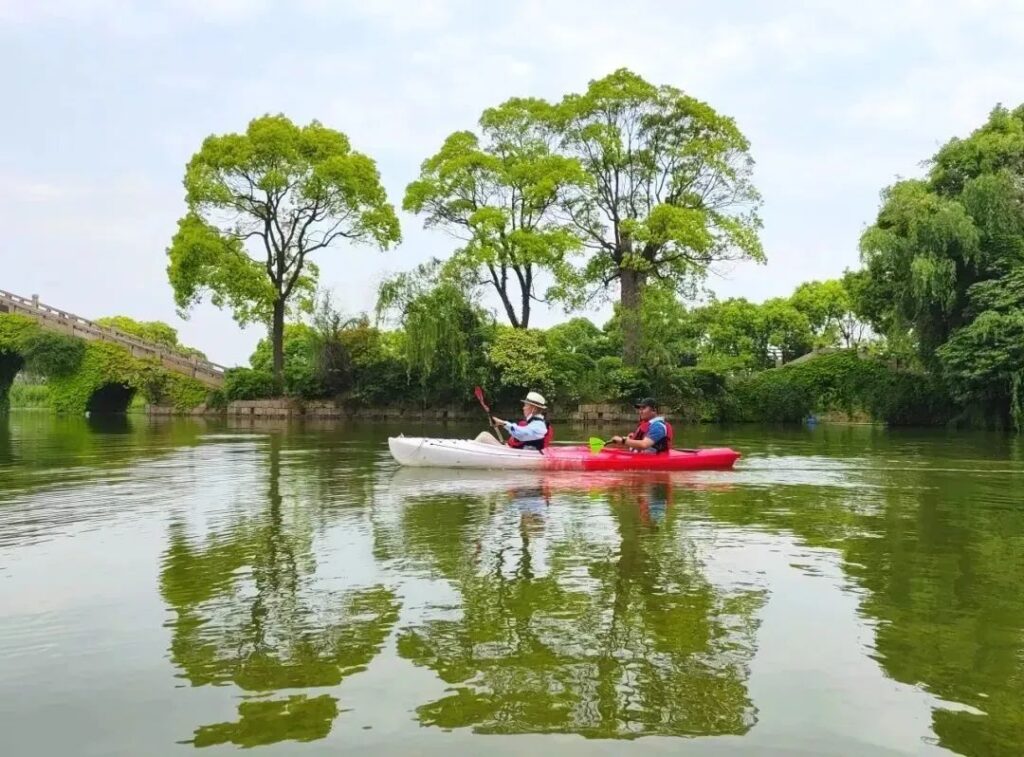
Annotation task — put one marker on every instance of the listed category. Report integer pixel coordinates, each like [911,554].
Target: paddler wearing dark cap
[653,435]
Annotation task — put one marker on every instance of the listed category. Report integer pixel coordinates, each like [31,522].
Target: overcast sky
[105,101]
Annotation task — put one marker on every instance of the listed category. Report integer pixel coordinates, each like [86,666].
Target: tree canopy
[259,204]
[496,193]
[652,184]
[669,192]
[943,263]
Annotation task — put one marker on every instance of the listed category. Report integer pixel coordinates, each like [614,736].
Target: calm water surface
[183,585]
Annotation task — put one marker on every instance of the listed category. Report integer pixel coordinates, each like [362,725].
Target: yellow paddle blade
[596,444]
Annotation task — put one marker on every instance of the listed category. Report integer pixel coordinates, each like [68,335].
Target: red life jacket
[539,444]
[663,445]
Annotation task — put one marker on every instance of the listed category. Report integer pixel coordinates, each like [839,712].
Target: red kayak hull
[581,458]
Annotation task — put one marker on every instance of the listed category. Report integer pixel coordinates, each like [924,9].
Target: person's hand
[617,440]
[497,421]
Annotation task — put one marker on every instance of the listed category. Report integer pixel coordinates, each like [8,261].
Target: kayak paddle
[596,445]
[483,403]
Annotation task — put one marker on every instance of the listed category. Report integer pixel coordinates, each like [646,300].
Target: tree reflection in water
[248,611]
[601,626]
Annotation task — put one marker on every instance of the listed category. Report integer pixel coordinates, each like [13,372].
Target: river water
[174,585]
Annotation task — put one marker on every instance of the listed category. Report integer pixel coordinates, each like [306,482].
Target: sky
[105,102]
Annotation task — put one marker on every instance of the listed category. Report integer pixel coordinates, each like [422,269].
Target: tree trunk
[277,340]
[524,321]
[509,310]
[631,285]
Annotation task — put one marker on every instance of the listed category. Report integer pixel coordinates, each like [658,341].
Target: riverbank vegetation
[626,190]
[929,330]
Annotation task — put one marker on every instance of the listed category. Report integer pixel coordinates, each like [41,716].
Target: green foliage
[984,362]
[695,394]
[829,309]
[156,332]
[332,361]
[670,191]
[248,384]
[669,336]
[444,337]
[183,393]
[23,395]
[287,190]
[944,266]
[103,364]
[738,335]
[106,365]
[300,347]
[15,330]
[497,193]
[50,354]
[520,363]
[622,383]
[838,382]
[380,374]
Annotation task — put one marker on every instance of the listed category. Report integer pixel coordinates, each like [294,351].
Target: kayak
[424,452]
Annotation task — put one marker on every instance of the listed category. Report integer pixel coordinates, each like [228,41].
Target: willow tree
[259,205]
[496,193]
[944,263]
[669,191]
[443,332]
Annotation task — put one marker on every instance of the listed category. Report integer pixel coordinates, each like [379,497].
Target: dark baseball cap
[646,402]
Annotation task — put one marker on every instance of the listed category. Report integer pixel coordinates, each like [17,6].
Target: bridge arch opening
[110,399]
[11,364]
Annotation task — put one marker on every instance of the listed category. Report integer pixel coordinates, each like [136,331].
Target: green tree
[300,356]
[496,194]
[941,258]
[670,191]
[572,350]
[668,332]
[984,360]
[784,329]
[829,309]
[259,205]
[737,334]
[444,334]
[520,361]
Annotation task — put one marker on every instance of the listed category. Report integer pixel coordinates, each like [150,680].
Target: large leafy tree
[669,193]
[259,205]
[942,260]
[739,334]
[829,309]
[495,192]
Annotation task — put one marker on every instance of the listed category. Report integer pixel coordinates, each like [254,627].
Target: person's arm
[632,443]
[532,432]
[655,433]
[645,443]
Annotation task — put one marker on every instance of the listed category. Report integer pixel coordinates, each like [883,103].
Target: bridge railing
[192,366]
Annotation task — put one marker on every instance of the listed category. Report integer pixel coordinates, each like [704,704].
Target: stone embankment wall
[290,409]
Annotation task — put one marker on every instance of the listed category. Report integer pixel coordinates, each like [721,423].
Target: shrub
[248,384]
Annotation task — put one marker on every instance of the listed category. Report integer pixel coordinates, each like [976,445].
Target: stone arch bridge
[116,364]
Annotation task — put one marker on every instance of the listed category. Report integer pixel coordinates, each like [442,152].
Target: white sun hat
[536,400]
